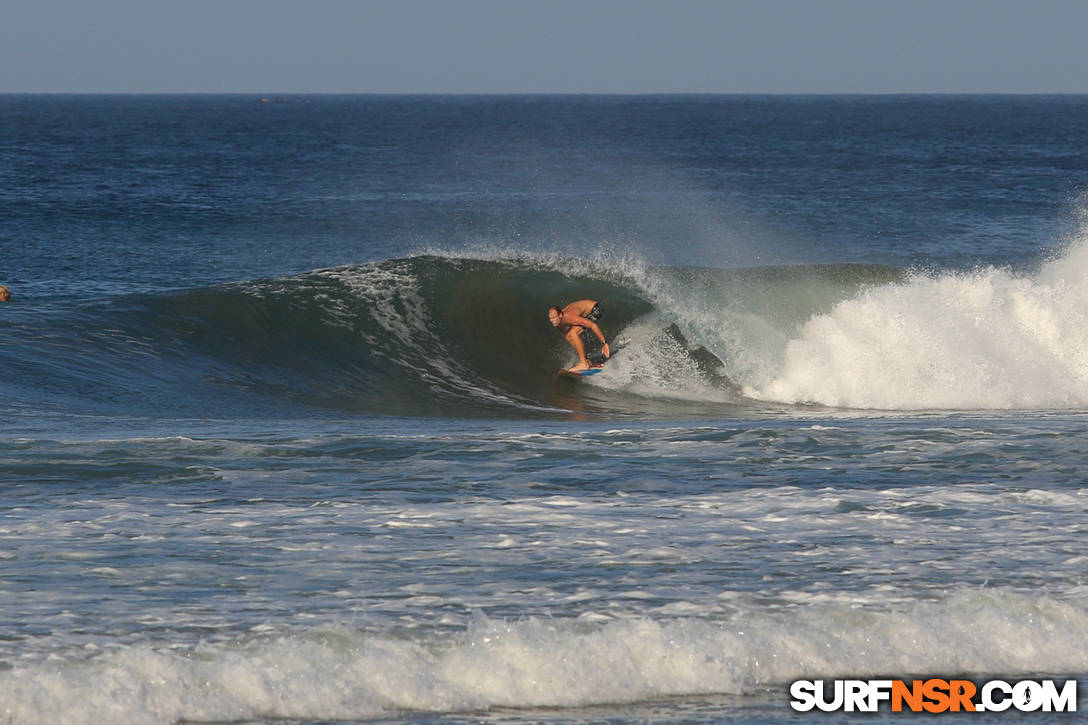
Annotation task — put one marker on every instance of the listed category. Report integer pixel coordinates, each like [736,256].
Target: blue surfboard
[595,368]
[580,373]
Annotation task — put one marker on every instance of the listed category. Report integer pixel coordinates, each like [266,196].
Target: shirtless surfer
[578,323]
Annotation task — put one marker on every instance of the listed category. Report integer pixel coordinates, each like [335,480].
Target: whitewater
[987,338]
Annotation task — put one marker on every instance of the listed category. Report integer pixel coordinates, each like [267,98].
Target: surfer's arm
[592,326]
[586,323]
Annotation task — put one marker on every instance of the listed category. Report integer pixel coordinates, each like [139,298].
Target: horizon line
[273,94]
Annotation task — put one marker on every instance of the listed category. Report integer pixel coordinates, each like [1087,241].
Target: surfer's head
[5,293]
[555,315]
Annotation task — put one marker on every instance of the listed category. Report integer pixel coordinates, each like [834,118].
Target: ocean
[284,440]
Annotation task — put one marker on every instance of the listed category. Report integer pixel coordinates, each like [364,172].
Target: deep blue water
[284,438]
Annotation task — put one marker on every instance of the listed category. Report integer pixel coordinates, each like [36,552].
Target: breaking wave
[461,336]
[351,674]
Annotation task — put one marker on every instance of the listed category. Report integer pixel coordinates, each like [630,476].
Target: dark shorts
[590,341]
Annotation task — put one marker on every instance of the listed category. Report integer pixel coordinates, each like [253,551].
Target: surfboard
[594,369]
[580,373]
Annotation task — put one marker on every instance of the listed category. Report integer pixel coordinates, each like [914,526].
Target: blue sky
[558,46]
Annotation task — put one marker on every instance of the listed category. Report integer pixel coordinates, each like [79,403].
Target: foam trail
[348,674]
[987,339]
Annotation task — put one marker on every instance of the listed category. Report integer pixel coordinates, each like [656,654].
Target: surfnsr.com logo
[933,695]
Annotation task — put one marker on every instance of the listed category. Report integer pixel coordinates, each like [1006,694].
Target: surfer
[5,293]
[578,323]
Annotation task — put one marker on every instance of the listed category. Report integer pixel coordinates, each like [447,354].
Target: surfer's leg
[574,337]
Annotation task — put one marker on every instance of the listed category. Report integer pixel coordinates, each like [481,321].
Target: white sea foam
[984,339]
[349,674]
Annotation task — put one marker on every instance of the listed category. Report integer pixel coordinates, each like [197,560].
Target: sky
[543,46]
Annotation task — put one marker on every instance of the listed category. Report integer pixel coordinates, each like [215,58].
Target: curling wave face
[457,336]
[427,335]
